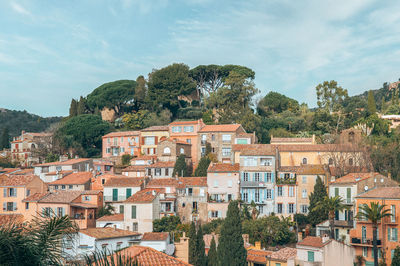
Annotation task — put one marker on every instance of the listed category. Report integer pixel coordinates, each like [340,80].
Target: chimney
[299,236]
[257,245]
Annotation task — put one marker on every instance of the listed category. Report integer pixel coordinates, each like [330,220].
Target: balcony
[391,220]
[252,184]
[115,199]
[355,241]
[290,181]
[348,201]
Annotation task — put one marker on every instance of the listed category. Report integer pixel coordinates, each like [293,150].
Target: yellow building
[150,137]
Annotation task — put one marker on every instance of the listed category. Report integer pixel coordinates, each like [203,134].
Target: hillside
[16,121]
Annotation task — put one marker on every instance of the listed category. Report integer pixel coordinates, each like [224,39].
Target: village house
[150,137]
[223,186]
[160,169]
[103,166]
[283,257]
[388,228]
[116,144]
[115,220]
[74,181]
[97,181]
[286,191]
[138,166]
[169,150]
[157,240]
[168,197]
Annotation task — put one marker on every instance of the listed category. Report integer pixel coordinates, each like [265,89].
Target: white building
[113,221]
[158,241]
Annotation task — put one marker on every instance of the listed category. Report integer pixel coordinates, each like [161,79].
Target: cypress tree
[201,169]
[5,139]
[371,103]
[180,167]
[73,108]
[396,257]
[231,249]
[212,258]
[383,103]
[192,243]
[200,249]
[81,108]
[320,192]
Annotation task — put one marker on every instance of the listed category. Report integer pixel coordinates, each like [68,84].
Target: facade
[169,150]
[292,141]
[187,131]
[25,149]
[116,144]
[286,192]
[114,221]
[160,169]
[150,137]
[257,175]
[388,228]
[221,138]
[192,199]
[138,166]
[158,241]
[223,186]
[103,166]
[74,181]
[50,172]
[168,196]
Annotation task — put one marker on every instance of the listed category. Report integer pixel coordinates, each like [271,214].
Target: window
[266,162]
[119,245]
[215,183]
[226,138]
[176,129]
[336,191]
[189,141]
[241,141]
[310,256]
[133,212]
[269,194]
[226,151]
[108,150]
[257,177]
[70,186]
[365,252]
[280,209]
[304,160]
[351,161]
[167,150]
[203,139]
[304,193]
[287,176]
[257,196]
[63,187]
[291,191]
[60,211]
[212,137]
[115,141]
[188,128]
[269,177]
[56,187]
[215,214]
[245,196]
[330,162]
[122,139]
[135,227]
[86,198]
[393,212]
[182,151]
[280,191]
[149,141]
[304,179]
[12,192]
[260,209]
[28,192]
[304,209]
[363,234]
[246,177]
[158,171]
[203,151]
[108,140]
[291,207]
[392,234]
[250,161]
[229,197]
[229,183]
[121,208]
[166,171]
[26,205]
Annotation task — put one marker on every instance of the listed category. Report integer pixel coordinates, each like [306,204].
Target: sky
[53,51]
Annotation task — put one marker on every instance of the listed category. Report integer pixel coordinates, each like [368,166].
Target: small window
[63,187]
[26,205]
[167,150]
[351,161]
[70,186]
[304,160]
[182,150]
[330,161]
[304,179]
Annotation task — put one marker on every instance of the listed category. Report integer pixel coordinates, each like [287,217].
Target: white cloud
[18,8]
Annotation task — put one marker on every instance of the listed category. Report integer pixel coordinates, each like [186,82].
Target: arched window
[330,161]
[182,150]
[351,136]
[167,150]
[351,161]
[33,147]
[304,160]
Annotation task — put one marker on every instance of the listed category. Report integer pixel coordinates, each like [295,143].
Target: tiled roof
[353,178]
[144,196]
[258,255]
[284,254]
[17,180]
[169,164]
[311,169]
[163,182]
[223,167]
[9,170]
[254,149]
[23,172]
[382,193]
[122,134]
[135,168]
[153,236]
[192,122]
[220,128]
[8,218]
[60,196]
[290,140]
[113,217]
[34,197]
[124,182]
[156,128]
[65,172]
[317,148]
[83,205]
[288,169]
[67,162]
[107,232]
[312,241]
[192,182]
[151,257]
[78,178]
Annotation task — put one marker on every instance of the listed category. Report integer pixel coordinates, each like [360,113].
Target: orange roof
[311,169]
[144,196]
[35,197]
[135,168]
[382,193]
[290,140]
[23,172]
[192,122]
[284,254]
[258,255]
[169,164]
[163,182]
[17,180]
[9,170]
[113,217]
[67,162]
[156,128]
[223,167]
[254,149]
[313,241]
[78,178]
[192,182]
[122,134]
[60,196]
[220,128]
[318,148]
[151,257]
[153,236]
[353,178]
[124,182]
[107,232]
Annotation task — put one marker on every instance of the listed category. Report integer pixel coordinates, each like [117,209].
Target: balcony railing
[364,241]
[252,184]
[349,201]
[280,181]
[111,198]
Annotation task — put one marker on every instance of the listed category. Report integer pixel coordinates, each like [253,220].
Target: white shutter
[283,208]
[14,206]
[4,206]
[5,192]
[209,214]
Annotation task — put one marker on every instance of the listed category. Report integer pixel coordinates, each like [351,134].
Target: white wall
[118,224]
[157,245]
[336,253]
[145,214]
[302,254]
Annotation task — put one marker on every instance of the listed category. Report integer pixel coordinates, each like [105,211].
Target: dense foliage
[166,224]
[316,216]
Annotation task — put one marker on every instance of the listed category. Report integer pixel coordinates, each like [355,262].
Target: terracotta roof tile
[192,122]
[107,232]
[17,180]
[83,205]
[113,217]
[144,196]
[78,178]
[317,148]
[124,182]
[311,169]
[382,193]
[220,128]
[254,149]
[162,182]
[23,172]
[60,196]
[135,168]
[291,140]
[312,241]
[353,178]
[258,255]
[169,164]
[122,134]
[284,254]
[184,182]
[156,128]
[34,197]
[223,167]
[67,162]
[292,169]
[153,236]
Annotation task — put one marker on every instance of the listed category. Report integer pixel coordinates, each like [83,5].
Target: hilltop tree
[330,96]
[371,103]
[5,139]
[202,167]
[140,92]
[320,192]
[212,258]
[113,95]
[181,168]
[277,103]
[73,109]
[231,249]
[81,106]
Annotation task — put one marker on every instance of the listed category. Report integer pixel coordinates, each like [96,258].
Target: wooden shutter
[155,140]
[133,212]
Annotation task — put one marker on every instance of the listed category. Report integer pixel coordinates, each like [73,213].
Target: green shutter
[311,256]
[349,193]
[128,192]
[395,234]
[115,194]
[336,191]
[133,212]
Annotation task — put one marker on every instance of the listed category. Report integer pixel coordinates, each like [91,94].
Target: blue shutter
[272,177]
[395,234]
[242,174]
[272,193]
[265,177]
[254,177]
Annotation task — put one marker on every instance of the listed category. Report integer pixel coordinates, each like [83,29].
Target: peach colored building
[16,189]
[74,181]
[122,142]
[150,137]
[388,228]
[138,166]
[186,131]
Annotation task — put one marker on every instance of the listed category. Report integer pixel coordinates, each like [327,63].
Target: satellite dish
[366,188]
[170,249]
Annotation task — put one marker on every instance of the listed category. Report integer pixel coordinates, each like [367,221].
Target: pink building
[119,143]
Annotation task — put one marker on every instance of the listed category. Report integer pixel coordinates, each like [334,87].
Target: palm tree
[332,205]
[373,213]
[254,211]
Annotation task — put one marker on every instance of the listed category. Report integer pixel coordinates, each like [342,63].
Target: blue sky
[53,51]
